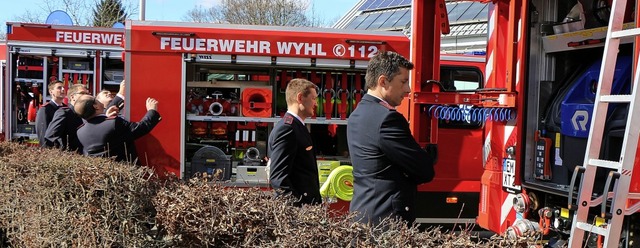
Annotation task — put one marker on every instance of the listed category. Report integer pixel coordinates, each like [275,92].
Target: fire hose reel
[256,102]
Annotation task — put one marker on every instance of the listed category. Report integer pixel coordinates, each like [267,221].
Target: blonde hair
[298,85]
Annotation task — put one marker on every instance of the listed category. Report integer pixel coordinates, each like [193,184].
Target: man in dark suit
[293,167]
[61,132]
[46,112]
[103,136]
[388,164]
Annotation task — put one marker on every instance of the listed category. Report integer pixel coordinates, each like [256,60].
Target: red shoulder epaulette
[81,125]
[386,105]
[288,119]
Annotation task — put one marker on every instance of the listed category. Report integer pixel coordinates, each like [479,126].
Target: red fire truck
[3,65]
[39,53]
[556,111]
[221,88]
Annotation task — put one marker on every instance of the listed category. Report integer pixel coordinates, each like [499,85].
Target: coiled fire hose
[339,184]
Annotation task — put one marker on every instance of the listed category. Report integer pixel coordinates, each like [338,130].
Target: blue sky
[172,10]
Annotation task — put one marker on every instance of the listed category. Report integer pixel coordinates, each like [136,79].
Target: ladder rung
[592,228]
[605,163]
[615,98]
[633,196]
[625,33]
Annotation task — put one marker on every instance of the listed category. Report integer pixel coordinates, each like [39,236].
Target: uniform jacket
[388,164]
[43,119]
[118,102]
[62,130]
[103,136]
[293,161]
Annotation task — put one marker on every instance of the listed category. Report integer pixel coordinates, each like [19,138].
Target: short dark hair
[84,107]
[298,85]
[385,63]
[52,84]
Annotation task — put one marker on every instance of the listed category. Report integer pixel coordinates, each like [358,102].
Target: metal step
[605,163]
[616,98]
[592,228]
[625,33]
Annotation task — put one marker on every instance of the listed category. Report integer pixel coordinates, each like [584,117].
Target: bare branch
[256,12]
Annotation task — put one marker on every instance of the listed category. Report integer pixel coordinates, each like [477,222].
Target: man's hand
[121,90]
[152,104]
[112,111]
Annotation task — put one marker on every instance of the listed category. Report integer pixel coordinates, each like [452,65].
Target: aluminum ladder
[621,171]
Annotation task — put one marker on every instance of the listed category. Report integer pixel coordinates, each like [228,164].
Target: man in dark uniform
[388,164]
[46,112]
[109,100]
[293,168]
[103,136]
[61,132]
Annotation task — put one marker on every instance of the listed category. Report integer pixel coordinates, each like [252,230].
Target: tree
[254,12]
[80,11]
[202,14]
[108,12]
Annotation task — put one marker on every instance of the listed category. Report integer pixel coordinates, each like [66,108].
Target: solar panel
[366,22]
[395,3]
[384,16]
[483,14]
[404,21]
[381,4]
[395,14]
[458,10]
[366,5]
[393,19]
[472,12]
[370,5]
[356,21]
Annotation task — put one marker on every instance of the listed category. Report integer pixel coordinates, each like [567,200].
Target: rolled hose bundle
[339,184]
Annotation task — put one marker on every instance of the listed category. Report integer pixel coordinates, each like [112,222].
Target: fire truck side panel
[175,62]
[157,75]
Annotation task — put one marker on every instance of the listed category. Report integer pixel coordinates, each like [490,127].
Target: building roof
[467,20]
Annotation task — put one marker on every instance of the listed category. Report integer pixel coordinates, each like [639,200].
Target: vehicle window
[460,78]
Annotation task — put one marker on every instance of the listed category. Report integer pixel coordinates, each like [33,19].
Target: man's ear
[382,82]
[299,97]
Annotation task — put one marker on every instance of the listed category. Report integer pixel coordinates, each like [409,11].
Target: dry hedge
[50,198]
